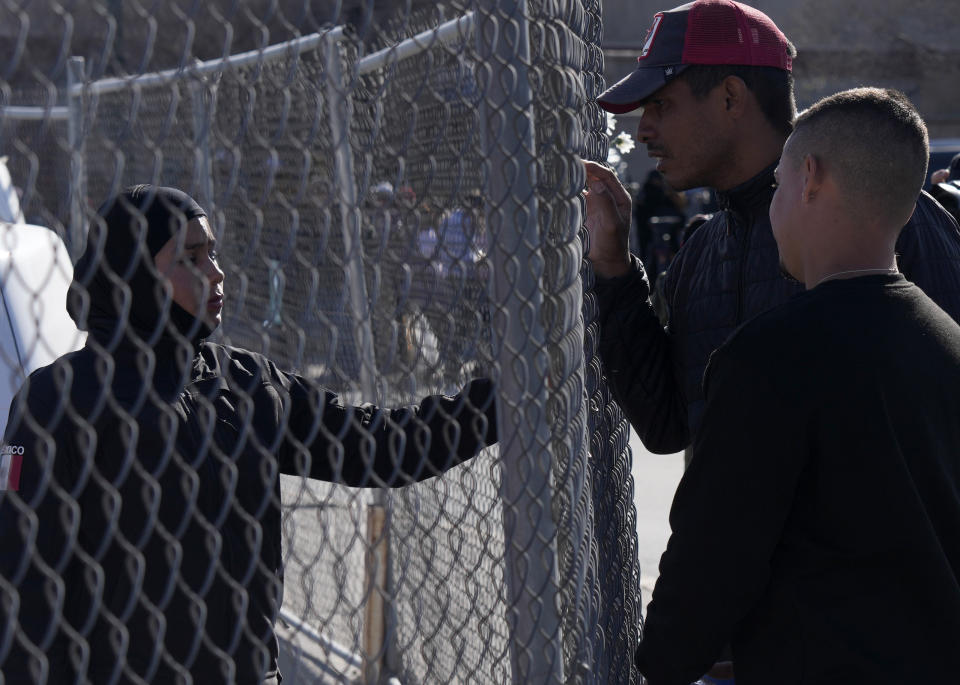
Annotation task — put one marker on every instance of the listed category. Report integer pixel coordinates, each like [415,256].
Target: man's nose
[645,129]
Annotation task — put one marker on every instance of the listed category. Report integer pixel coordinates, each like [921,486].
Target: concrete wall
[913,45]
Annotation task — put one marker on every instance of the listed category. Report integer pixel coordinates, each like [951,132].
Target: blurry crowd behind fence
[398,210]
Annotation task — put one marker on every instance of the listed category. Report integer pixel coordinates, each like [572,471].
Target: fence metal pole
[341,111]
[520,340]
[203,110]
[76,231]
[376,559]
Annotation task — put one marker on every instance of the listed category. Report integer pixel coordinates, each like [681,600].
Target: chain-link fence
[396,203]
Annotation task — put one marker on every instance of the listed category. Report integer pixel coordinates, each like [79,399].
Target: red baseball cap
[701,32]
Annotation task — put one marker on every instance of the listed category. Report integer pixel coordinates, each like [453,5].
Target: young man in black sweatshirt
[823,544]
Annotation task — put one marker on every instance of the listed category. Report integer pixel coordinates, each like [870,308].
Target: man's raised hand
[608,221]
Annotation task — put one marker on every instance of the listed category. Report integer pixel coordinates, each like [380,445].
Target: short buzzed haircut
[873,143]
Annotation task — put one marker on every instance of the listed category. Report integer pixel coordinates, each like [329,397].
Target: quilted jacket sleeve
[637,353]
[370,446]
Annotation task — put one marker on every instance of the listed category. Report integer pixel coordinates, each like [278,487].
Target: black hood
[116,290]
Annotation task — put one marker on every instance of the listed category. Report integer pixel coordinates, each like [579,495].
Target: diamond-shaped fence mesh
[396,204]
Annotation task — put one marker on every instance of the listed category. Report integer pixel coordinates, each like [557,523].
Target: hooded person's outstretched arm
[369,446]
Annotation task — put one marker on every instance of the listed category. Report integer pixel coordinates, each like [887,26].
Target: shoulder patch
[11,460]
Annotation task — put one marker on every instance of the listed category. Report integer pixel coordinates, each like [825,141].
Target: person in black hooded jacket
[142,541]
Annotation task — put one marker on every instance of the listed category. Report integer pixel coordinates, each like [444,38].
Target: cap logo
[651,34]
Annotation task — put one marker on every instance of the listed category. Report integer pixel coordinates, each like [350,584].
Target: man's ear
[812,172]
[735,94]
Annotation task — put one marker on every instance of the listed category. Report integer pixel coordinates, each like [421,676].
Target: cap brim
[626,94]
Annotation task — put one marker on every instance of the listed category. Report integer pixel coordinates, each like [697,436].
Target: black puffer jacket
[727,273]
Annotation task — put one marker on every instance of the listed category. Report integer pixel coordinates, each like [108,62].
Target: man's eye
[650,105]
[214,254]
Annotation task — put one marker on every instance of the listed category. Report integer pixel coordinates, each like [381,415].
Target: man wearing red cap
[715,85]
[716,91]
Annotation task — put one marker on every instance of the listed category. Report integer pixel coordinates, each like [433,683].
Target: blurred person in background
[142,534]
[788,537]
[659,216]
[455,300]
[945,187]
[951,172]
[695,222]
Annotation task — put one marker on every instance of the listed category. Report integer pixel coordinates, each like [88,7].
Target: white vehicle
[35,273]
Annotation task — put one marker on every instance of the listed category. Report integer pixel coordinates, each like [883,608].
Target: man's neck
[865,265]
[752,197]
[758,150]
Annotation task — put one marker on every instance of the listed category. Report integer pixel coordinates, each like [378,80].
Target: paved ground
[655,480]
[308,658]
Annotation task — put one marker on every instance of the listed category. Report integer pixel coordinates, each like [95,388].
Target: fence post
[376,559]
[76,232]
[520,339]
[202,112]
[341,111]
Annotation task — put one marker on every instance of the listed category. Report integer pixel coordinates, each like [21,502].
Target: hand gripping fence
[395,194]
